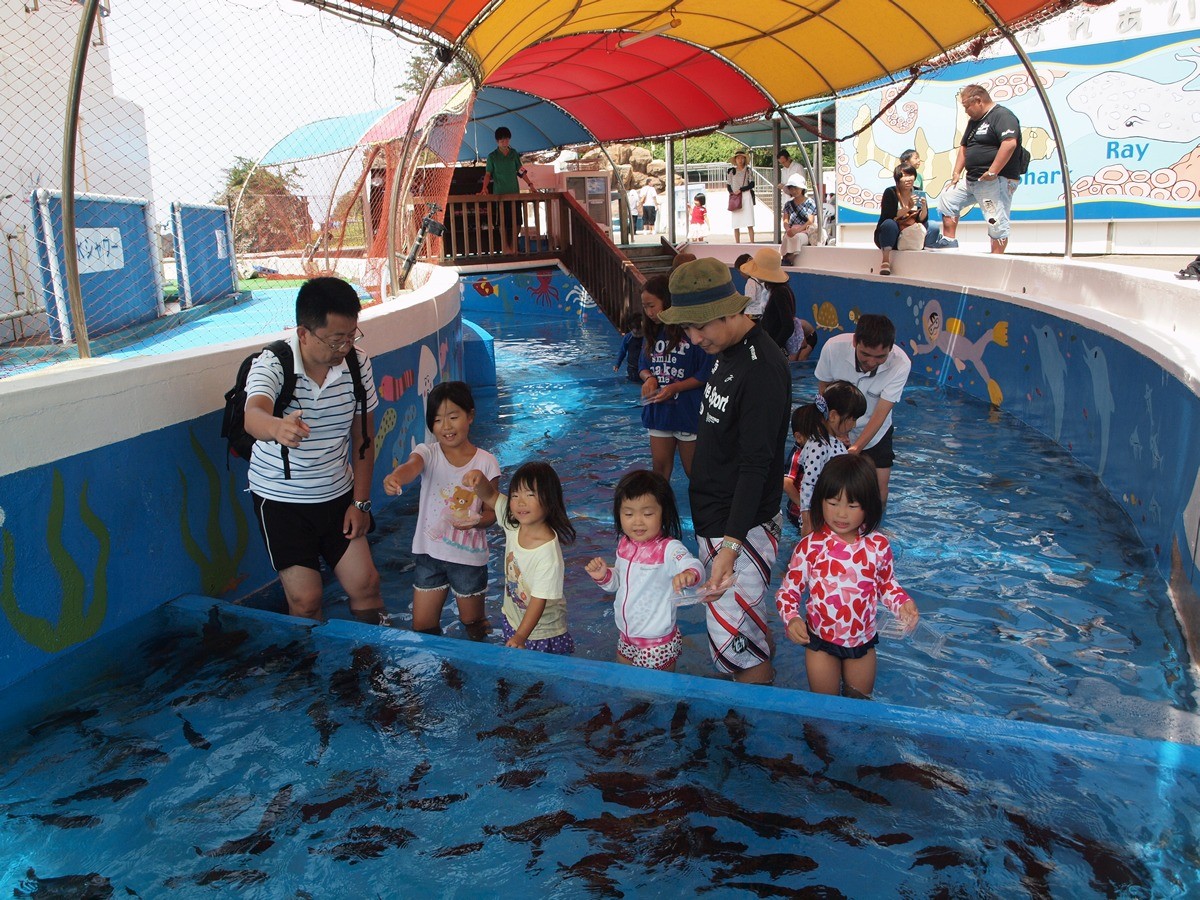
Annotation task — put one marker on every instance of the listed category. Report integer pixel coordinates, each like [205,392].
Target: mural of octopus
[949,336]
[899,120]
[1179,183]
[544,292]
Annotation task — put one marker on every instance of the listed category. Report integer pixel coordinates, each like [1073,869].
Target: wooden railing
[606,273]
[481,227]
[549,225]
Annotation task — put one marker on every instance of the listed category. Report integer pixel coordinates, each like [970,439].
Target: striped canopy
[708,62]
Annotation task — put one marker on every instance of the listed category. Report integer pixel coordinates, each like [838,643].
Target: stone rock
[657,168]
[639,159]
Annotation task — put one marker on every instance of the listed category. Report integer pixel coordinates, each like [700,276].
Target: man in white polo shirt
[315,501]
[870,359]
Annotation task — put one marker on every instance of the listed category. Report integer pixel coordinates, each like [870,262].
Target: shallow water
[244,752]
[1051,609]
[241,752]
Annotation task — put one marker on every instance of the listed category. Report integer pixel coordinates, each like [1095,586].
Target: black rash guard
[737,472]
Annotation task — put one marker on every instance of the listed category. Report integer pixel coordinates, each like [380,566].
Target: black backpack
[233,426]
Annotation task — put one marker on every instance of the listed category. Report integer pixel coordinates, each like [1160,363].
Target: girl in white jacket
[652,567]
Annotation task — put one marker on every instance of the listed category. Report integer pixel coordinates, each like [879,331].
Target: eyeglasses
[340,345]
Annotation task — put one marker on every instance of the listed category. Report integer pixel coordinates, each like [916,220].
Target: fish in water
[92,886]
[64,719]
[939,857]
[367,842]
[533,693]
[774,864]
[460,850]
[525,738]
[518,779]
[451,675]
[261,839]
[193,736]
[926,776]
[818,743]
[435,804]
[110,790]
[318,712]
[535,830]
[61,821]
[367,795]
[219,878]
[678,721]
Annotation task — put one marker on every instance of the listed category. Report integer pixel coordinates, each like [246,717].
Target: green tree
[272,215]
[421,65]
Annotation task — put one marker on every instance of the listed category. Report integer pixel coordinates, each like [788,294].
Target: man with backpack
[313,456]
[993,160]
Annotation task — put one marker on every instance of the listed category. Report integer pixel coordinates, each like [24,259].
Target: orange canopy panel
[448,18]
[657,87]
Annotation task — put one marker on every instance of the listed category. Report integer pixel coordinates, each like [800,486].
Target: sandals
[885,268]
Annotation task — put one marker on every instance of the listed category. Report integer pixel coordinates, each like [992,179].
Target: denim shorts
[436,575]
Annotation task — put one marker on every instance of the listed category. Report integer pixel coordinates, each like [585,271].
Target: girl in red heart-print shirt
[845,568]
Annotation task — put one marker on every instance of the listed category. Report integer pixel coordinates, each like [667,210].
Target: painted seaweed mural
[219,566]
[75,623]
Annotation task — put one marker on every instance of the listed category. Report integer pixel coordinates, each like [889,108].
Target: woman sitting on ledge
[902,218]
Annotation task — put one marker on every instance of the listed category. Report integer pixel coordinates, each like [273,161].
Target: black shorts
[882,453]
[815,643]
[649,216]
[302,534]
[513,215]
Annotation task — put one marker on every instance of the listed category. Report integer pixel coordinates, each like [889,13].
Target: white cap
[796,180]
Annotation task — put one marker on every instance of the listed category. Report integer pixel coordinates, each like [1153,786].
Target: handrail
[554,225]
[608,275]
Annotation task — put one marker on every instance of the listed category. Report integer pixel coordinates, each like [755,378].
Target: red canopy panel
[659,86]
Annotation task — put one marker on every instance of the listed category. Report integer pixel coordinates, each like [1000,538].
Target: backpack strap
[283,352]
[360,398]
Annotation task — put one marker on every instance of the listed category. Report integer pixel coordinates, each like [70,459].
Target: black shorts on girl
[302,534]
[837,650]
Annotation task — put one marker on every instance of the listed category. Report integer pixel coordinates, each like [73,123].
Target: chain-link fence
[187,197]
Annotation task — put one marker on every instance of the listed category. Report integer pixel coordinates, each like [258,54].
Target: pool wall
[114,496]
[114,492]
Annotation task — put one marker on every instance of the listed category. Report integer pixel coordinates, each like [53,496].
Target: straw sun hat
[767,265]
[702,291]
[741,153]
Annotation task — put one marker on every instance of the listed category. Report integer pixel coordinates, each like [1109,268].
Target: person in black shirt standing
[737,471]
[991,158]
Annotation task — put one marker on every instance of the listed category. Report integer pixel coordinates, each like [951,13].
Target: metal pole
[622,199]
[807,166]
[777,148]
[83,41]
[1068,199]
[670,190]
[395,285]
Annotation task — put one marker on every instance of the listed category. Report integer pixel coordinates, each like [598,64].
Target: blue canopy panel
[323,137]
[535,124]
[760,134]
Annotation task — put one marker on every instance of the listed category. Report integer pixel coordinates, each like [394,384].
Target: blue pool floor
[1051,608]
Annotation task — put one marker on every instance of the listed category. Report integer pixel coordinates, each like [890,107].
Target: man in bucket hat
[737,472]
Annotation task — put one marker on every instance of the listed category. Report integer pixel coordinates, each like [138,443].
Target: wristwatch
[727,544]
[364,505]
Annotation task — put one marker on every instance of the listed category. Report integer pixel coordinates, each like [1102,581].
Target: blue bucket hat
[702,290]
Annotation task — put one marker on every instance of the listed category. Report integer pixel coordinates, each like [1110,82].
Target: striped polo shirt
[321,468]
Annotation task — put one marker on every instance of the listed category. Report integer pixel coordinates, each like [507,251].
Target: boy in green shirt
[504,169]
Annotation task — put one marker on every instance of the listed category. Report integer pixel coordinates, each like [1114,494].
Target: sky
[219,79]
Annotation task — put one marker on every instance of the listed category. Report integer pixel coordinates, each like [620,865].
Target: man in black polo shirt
[737,472]
[990,157]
